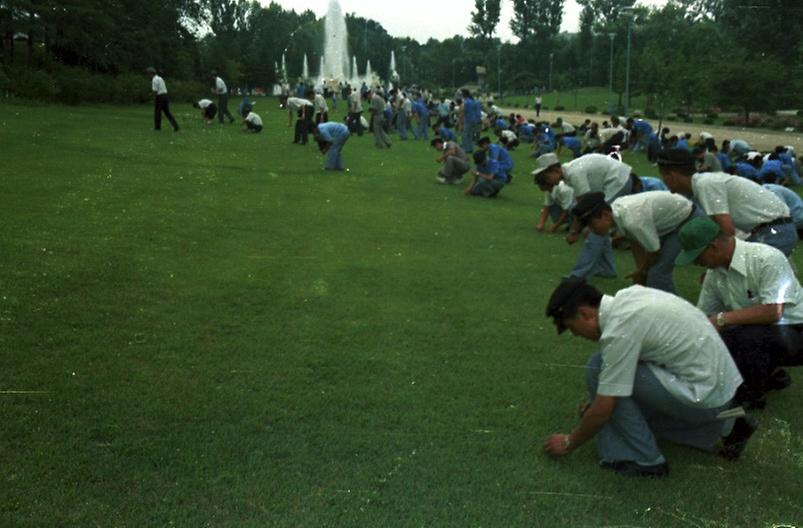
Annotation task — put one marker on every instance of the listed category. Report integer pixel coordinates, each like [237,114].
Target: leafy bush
[591,109]
[729,123]
[5,83]
[80,86]
[708,121]
[186,91]
[35,84]
[688,119]
[131,88]
[650,113]
[712,115]
[560,108]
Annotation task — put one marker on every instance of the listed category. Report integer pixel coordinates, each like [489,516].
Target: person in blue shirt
[744,169]
[792,200]
[501,156]
[527,133]
[301,90]
[421,112]
[648,183]
[789,165]
[485,183]
[331,138]
[640,131]
[572,143]
[500,125]
[771,170]
[544,142]
[445,133]
[683,142]
[470,119]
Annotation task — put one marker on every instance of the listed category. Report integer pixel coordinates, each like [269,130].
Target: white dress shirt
[646,217]
[758,274]
[675,340]
[747,203]
[596,173]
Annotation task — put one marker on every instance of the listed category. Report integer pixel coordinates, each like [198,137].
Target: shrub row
[75,86]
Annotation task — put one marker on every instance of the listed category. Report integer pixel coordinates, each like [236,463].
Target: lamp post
[499,70]
[611,36]
[628,11]
[551,57]
[453,81]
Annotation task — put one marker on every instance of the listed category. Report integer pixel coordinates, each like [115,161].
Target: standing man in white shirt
[321,108]
[161,103]
[753,298]
[731,201]
[661,371]
[219,88]
[651,222]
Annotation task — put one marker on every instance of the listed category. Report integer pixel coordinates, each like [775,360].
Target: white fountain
[305,69]
[335,45]
[394,75]
[355,75]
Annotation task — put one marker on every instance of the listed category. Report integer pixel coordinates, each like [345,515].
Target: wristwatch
[567,442]
[721,320]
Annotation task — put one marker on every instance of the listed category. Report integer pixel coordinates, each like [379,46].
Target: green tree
[536,23]
[485,18]
[605,12]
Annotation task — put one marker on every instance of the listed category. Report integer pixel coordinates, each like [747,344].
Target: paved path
[764,140]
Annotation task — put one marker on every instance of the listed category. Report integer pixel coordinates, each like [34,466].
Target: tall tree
[536,20]
[606,12]
[536,23]
[485,18]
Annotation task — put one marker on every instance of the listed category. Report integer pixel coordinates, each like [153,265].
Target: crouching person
[662,371]
[253,123]
[486,182]
[453,159]
[331,138]
[754,300]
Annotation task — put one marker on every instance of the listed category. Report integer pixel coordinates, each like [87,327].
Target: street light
[499,69]
[628,11]
[551,56]
[453,82]
[611,36]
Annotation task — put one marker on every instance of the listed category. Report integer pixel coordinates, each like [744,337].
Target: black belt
[773,223]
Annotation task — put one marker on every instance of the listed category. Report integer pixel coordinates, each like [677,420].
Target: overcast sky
[422,19]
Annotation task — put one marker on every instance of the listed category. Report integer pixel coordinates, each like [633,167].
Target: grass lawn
[216,332]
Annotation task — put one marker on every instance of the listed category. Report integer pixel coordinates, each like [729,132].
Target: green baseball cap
[694,237]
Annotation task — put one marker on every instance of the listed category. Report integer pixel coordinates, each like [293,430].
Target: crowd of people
[665,368]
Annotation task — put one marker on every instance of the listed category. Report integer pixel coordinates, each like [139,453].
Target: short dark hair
[479,157]
[484,141]
[568,297]
[436,141]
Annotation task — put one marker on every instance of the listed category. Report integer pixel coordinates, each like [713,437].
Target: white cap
[750,156]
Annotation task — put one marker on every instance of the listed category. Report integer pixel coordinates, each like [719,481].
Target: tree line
[697,53]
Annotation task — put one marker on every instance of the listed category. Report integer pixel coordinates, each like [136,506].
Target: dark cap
[588,206]
[676,157]
[566,294]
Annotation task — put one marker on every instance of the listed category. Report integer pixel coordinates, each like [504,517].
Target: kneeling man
[661,371]
[752,296]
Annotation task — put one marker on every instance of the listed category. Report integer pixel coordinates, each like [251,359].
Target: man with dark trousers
[219,88]
[160,102]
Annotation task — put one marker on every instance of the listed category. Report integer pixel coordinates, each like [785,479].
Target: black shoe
[733,445]
[779,380]
[629,468]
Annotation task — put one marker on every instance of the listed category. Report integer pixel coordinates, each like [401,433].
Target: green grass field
[574,100]
[216,332]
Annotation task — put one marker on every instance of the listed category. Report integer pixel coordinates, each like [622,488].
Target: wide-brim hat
[545,162]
